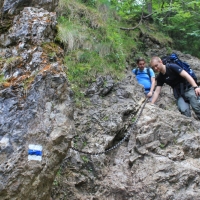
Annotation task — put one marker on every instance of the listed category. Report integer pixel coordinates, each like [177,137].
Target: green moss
[51,48]
[2,79]
[155,35]
[133,119]
[85,159]
[162,146]
[6,23]
[106,118]
[27,82]
[1,62]
[11,59]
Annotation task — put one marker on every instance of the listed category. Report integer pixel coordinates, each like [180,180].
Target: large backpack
[173,58]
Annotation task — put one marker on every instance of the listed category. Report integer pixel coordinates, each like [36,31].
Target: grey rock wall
[14,6]
[160,159]
[31,26]
[36,107]
[11,8]
[42,117]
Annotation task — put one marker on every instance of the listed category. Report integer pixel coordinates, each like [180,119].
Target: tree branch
[132,28]
[144,17]
[141,18]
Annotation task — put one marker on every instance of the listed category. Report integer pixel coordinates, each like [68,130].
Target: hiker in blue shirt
[184,86]
[145,76]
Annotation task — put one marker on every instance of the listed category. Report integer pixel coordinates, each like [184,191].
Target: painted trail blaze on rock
[35,152]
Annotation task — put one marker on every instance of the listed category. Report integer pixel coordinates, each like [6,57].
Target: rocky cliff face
[35,102]
[159,159]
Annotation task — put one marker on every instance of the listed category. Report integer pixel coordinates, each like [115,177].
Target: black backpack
[173,58]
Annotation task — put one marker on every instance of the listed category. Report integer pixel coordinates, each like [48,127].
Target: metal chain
[119,143]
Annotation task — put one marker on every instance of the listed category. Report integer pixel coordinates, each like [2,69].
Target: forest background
[105,36]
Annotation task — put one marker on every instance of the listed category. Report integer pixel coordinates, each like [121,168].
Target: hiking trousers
[184,107]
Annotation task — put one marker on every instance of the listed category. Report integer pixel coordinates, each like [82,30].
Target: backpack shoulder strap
[148,72]
[136,71]
[167,65]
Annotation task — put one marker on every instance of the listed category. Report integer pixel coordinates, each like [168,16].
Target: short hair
[155,58]
[140,59]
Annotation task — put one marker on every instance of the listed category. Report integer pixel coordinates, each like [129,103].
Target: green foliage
[27,82]
[80,66]
[133,119]
[50,48]
[91,3]
[162,146]
[71,36]
[95,3]
[180,20]
[93,42]
[80,100]
[85,159]
[84,144]
[11,59]
[2,79]
[177,19]
[128,9]
[106,118]
[57,180]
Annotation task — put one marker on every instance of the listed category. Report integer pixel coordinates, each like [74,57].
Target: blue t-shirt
[144,79]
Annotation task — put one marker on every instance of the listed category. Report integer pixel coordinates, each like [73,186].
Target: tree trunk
[149,6]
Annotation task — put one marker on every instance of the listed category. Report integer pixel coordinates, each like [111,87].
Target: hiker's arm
[156,94]
[185,75]
[153,82]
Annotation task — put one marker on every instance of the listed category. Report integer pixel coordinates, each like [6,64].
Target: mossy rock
[5,23]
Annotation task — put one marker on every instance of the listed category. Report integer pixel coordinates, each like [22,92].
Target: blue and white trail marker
[34,152]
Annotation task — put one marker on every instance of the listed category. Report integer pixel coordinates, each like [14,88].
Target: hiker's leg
[183,107]
[190,94]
